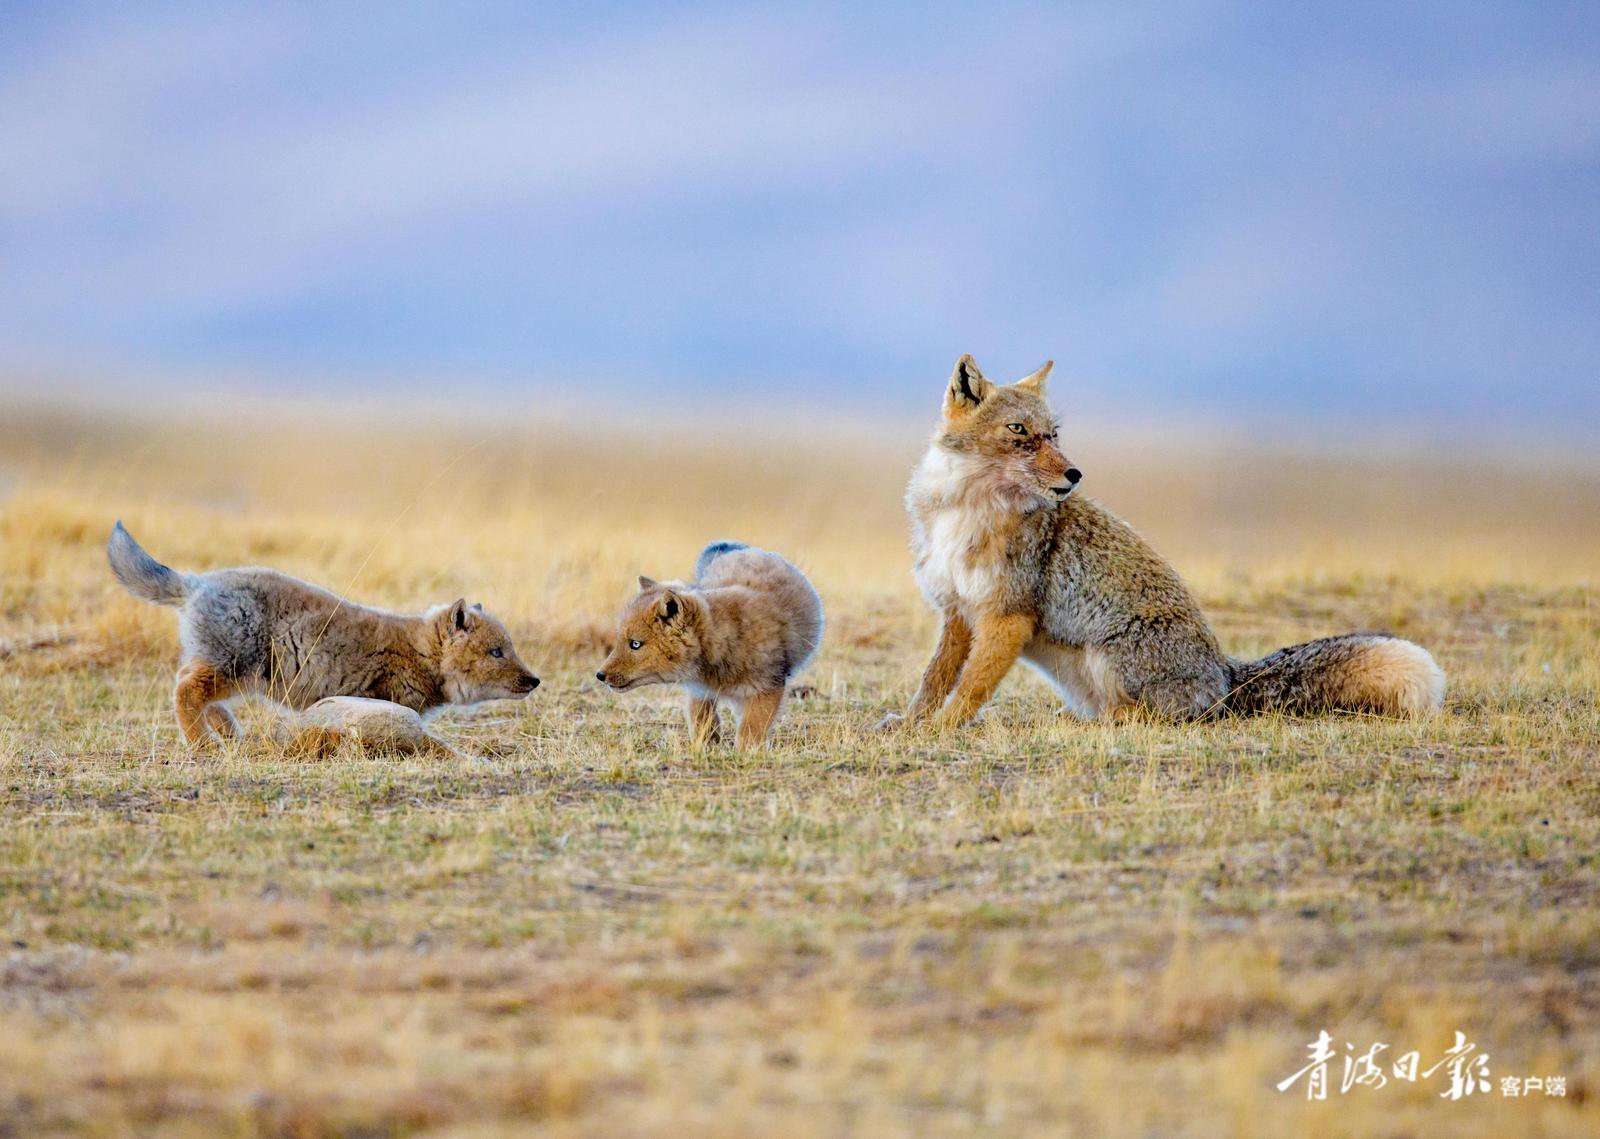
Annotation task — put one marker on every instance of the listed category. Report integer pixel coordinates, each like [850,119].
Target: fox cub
[1022,567]
[258,631]
[748,623]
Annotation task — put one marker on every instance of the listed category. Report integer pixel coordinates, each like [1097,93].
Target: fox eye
[497,652]
[1016,429]
[636,645]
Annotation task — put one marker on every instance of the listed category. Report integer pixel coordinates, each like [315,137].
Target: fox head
[657,642]
[476,659]
[1001,438]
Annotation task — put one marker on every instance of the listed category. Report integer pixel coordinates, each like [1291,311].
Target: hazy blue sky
[1327,208]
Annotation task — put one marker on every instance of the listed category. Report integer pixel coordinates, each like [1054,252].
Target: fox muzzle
[1073,476]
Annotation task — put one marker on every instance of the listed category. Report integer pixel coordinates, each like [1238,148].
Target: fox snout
[1058,469]
[621,675]
[1073,476]
[527,682]
[622,666]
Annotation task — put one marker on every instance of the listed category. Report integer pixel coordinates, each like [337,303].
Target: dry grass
[1031,927]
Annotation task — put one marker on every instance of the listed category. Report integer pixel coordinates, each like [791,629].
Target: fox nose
[530,682]
[1074,475]
[601,675]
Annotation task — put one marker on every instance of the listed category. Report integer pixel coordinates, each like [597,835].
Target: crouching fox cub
[263,632]
[748,623]
[1021,567]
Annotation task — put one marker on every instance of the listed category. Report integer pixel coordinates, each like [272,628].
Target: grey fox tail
[140,574]
[712,552]
[1356,672]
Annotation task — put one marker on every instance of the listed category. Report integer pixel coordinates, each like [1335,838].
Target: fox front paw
[892,722]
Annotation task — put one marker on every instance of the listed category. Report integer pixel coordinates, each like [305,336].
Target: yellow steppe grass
[1036,926]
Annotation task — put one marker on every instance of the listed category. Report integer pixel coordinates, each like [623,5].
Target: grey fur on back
[140,574]
[711,553]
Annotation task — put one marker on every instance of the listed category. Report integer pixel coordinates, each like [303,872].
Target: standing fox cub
[748,623]
[264,632]
[1021,567]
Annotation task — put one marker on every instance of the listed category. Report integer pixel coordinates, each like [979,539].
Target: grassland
[1036,926]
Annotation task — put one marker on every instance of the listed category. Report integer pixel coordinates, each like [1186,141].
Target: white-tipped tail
[1404,674]
[1357,672]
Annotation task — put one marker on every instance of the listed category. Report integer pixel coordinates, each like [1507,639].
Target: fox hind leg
[1194,686]
[1178,700]
[199,689]
[756,719]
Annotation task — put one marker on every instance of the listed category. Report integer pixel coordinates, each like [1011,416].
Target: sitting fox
[263,632]
[748,623]
[1020,566]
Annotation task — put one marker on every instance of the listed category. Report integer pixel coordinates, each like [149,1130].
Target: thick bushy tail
[711,553]
[140,574]
[1358,672]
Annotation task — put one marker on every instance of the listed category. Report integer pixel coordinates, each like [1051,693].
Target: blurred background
[1353,221]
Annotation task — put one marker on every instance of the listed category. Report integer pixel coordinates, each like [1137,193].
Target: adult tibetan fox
[748,623]
[264,632]
[1020,566]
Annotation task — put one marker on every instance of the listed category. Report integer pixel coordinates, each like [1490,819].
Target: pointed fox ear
[458,615]
[646,583]
[967,388]
[668,608]
[1035,382]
